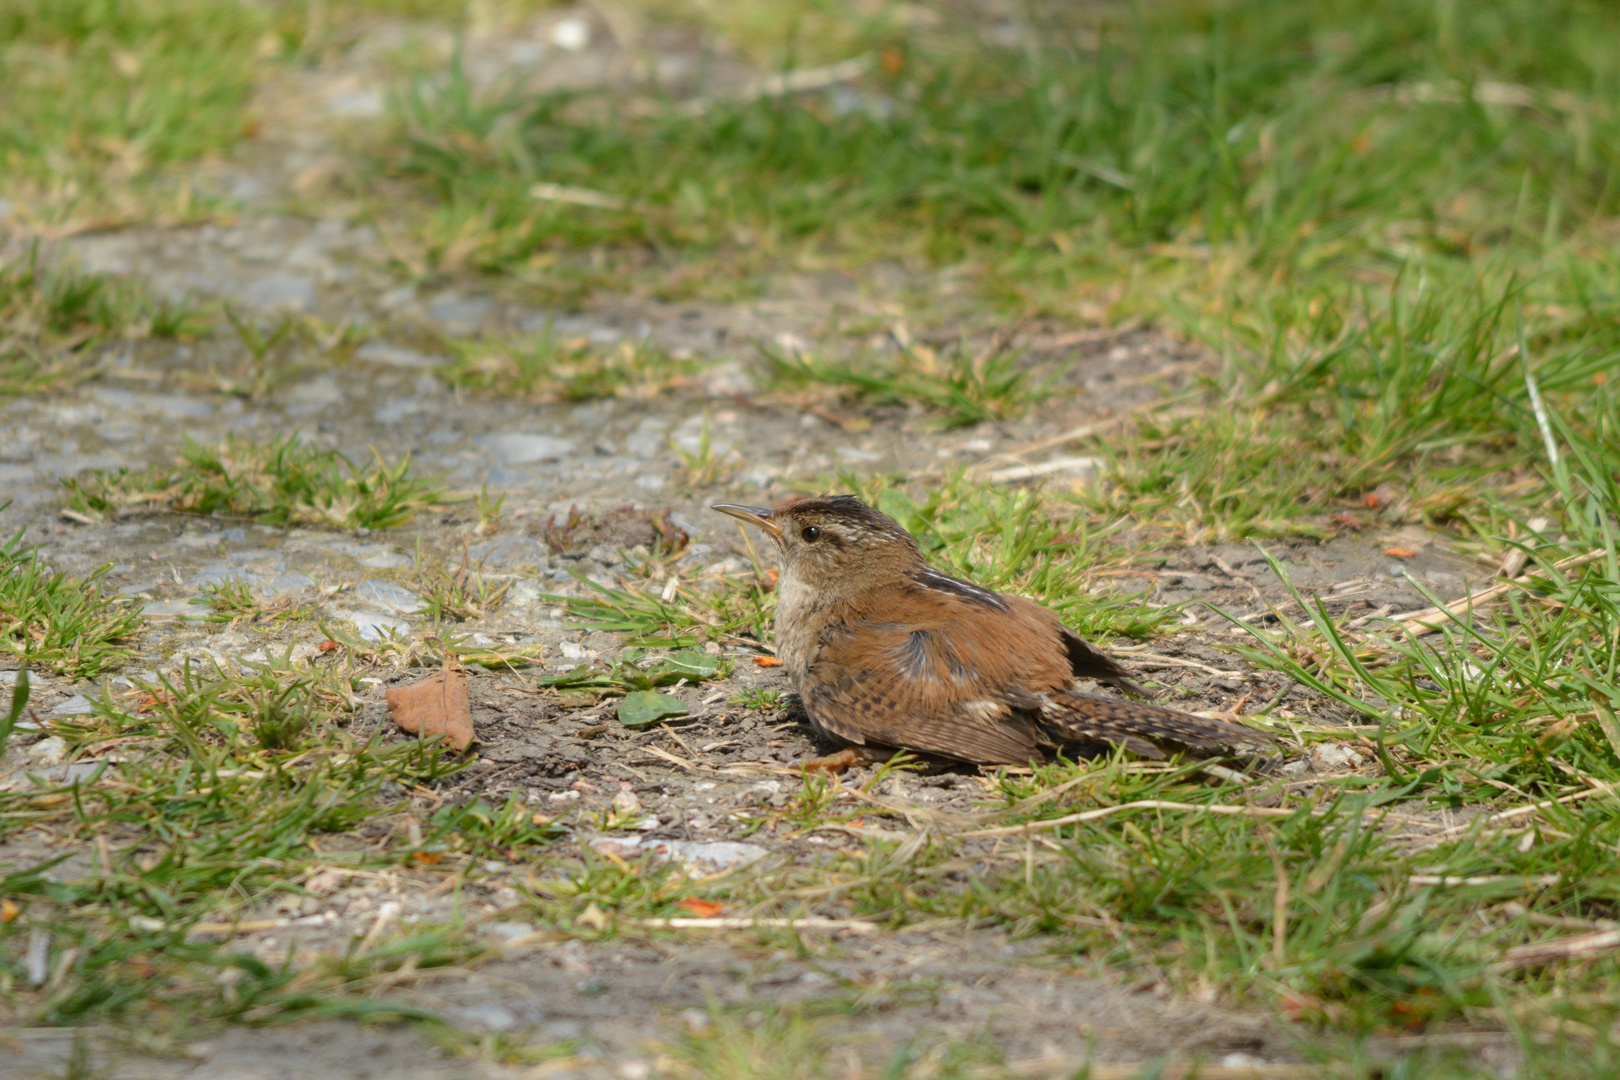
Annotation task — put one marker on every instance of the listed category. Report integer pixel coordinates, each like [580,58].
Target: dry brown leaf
[435,706]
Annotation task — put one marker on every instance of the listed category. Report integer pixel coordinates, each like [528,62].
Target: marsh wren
[888,653]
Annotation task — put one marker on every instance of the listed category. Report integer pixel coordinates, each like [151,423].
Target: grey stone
[293,292]
[198,540]
[163,609]
[214,574]
[717,854]
[497,478]
[394,410]
[377,352]
[363,103]
[374,625]
[650,438]
[69,464]
[395,299]
[485,1015]
[389,596]
[458,314]
[522,448]
[177,406]
[247,189]
[312,396]
[707,855]
[116,399]
[290,582]
[50,751]
[73,772]
[77,705]
[510,553]
[376,556]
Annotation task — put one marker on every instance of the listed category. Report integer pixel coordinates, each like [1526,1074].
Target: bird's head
[832,539]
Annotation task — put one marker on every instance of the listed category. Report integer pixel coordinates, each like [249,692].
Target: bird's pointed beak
[754,515]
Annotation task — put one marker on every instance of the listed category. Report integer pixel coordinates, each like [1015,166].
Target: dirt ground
[697,777]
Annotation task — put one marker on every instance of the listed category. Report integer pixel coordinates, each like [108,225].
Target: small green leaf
[693,663]
[645,707]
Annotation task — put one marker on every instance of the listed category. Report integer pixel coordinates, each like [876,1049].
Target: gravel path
[377,388]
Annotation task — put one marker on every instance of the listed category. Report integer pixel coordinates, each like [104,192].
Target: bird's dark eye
[811,533]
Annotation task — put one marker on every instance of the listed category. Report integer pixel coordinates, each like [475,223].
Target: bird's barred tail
[1090,716]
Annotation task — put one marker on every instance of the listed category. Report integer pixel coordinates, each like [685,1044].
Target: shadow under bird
[888,653]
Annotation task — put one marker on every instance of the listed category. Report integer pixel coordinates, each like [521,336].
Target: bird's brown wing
[991,683]
[915,686]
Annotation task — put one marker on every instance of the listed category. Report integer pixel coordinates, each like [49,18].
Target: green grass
[457,594]
[765,700]
[223,781]
[543,368]
[62,623]
[51,319]
[1412,900]
[960,388]
[282,482]
[233,601]
[1389,223]
[1183,126]
[1363,209]
[102,99]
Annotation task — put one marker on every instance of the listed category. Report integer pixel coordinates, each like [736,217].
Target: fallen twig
[575,196]
[864,831]
[1258,1070]
[1570,948]
[1096,427]
[1538,881]
[1430,619]
[1143,804]
[800,81]
[1522,811]
[1155,660]
[1046,468]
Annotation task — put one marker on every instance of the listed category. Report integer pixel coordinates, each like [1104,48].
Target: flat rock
[290,292]
[510,553]
[522,448]
[387,595]
[374,625]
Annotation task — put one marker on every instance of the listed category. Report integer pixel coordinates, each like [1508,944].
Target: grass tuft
[960,388]
[65,624]
[102,98]
[51,319]
[544,368]
[283,482]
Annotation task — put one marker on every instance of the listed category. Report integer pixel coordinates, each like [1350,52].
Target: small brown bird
[889,653]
